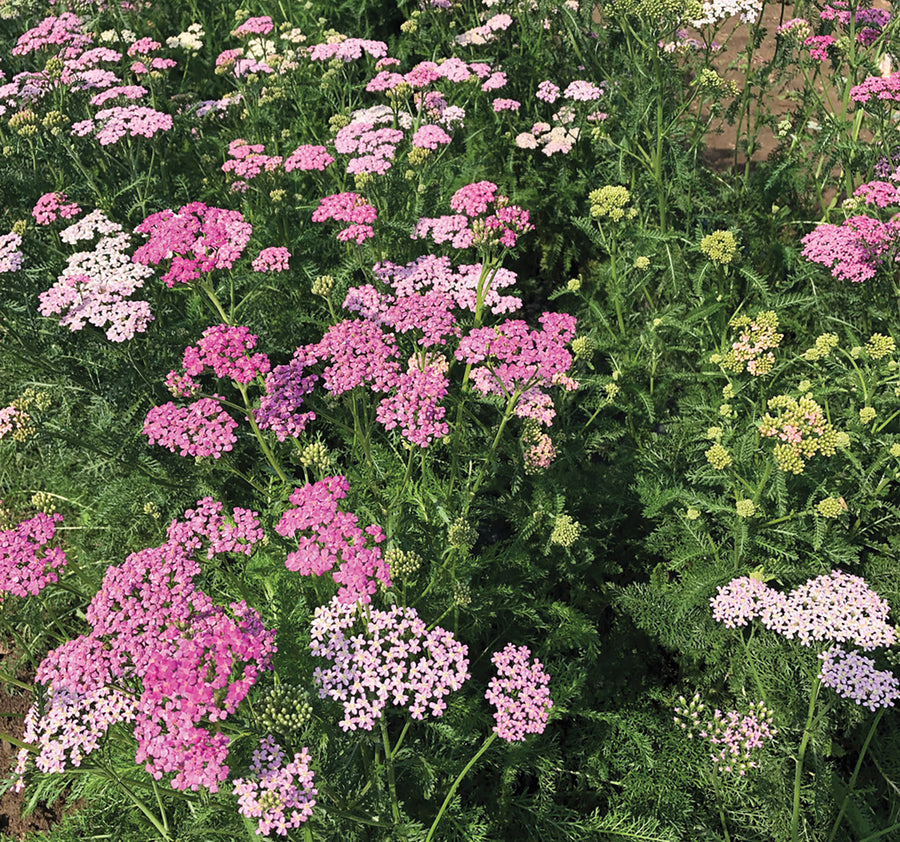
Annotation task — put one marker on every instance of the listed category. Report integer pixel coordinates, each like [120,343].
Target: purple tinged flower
[854,677]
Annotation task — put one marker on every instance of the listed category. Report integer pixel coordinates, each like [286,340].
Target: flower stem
[484,747]
[801,753]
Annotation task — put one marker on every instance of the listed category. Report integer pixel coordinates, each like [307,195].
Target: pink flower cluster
[23,571]
[130,92]
[286,388]
[373,147]
[254,26]
[52,206]
[854,250]
[200,429]
[191,661]
[10,256]
[520,693]
[308,157]
[472,225]
[384,658]
[226,350]
[275,788]
[112,124]
[197,240]
[248,160]
[348,50]
[854,677]
[351,208]
[336,541]
[517,363]
[838,607]
[12,420]
[485,33]
[430,137]
[465,285]
[95,287]
[878,88]
[272,259]
[63,31]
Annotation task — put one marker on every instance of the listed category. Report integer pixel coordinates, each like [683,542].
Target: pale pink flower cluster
[485,33]
[23,571]
[190,661]
[517,363]
[52,206]
[129,92]
[65,30]
[559,138]
[462,285]
[520,693]
[839,607]
[348,49]
[383,658]
[350,208]
[539,451]
[197,239]
[88,227]
[12,420]
[854,677]
[372,147]
[430,137]
[272,259]
[95,287]
[501,104]
[336,541]
[112,124]
[276,788]
[10,256]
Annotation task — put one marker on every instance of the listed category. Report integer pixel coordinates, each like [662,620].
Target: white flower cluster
[715,11]
[189,40]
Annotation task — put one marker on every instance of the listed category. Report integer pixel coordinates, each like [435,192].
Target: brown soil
[13,825]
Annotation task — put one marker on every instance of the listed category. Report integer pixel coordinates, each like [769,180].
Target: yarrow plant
[27,563]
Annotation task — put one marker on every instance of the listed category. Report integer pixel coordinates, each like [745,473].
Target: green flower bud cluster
[401,563]
[713,84]
[657,11]
[284,709]
[642,262]
[692,513]
[867,414]
[43,502]
[336,122]
[323,285]
[566,531]
[745,508]
[831,507]
[718,457]
[462,593]
[418,155]
[583,347]
[880,346]
[611,201]
[825,344]
[316,456]
[720,247]
[895,451]
[462,535]
[151,509]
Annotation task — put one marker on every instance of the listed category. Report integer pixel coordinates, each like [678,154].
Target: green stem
[389,764]
[801,754]
[719,798]
[484,747]
[267,451]
[853,777]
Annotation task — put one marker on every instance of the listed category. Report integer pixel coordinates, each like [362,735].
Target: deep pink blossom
[27,564]
[201,429]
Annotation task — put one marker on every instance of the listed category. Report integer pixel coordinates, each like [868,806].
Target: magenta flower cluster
[190,662]
[27,564]
[276,788]
[200,429]
[517,363]
[381,658]
[272,259]
[853,250]
[520,693]
[336,541]
[350,208]
[53,206]
[226,350]
[197,240]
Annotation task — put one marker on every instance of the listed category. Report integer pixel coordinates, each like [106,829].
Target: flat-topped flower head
[388,658]
[520,693]
[854,677]
[27,564]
